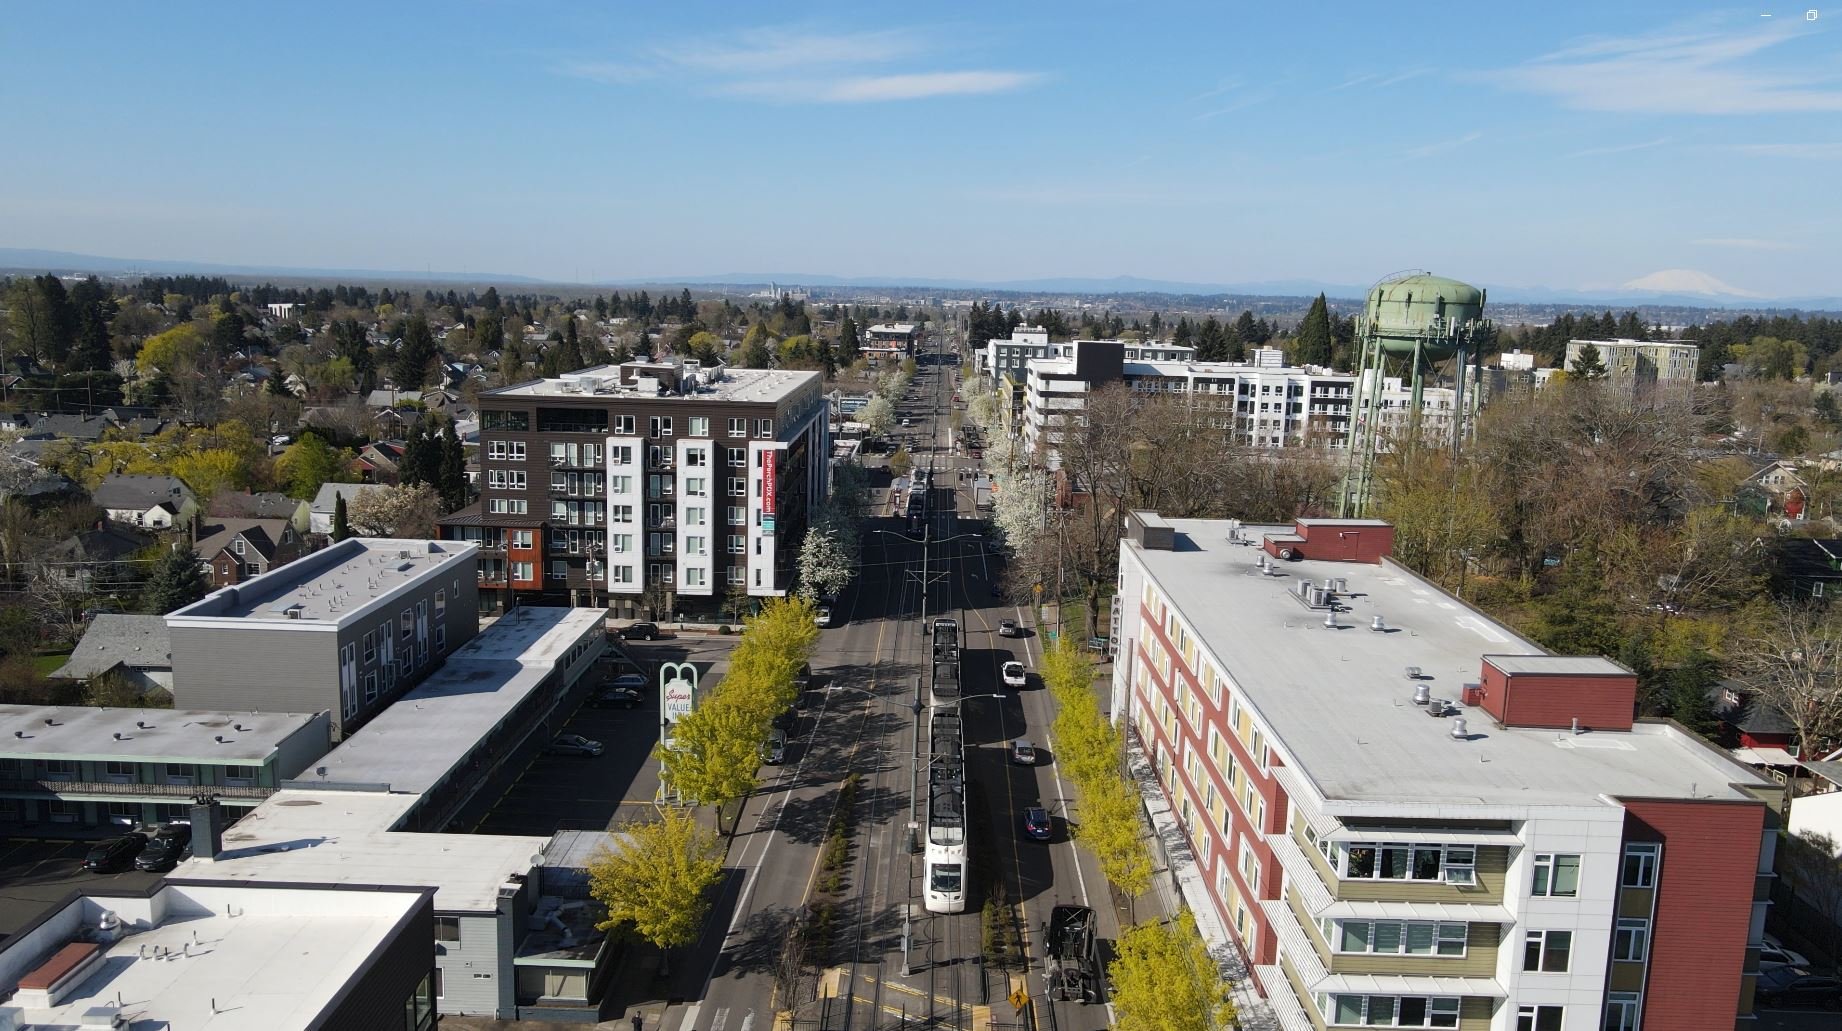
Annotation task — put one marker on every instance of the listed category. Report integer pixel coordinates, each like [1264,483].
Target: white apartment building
[1264,403]
[1012,356]
[1629,363]
[1404,814]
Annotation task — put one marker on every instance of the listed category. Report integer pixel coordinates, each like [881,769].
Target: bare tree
[1792,662]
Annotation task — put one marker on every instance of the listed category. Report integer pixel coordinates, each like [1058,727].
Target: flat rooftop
[332,586]
[418,739]
[184,963]
[1340,703]
[145,735]
[761,385]
[344,838]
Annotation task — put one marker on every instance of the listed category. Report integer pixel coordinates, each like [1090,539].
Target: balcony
[51,787]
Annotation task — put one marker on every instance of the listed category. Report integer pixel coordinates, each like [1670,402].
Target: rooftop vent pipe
[1413,672]
[1422,694]
[1330,619]
[1377,624]
[1577,729]
[1459,733]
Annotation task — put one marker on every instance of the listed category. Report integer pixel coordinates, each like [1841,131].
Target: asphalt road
[860,718]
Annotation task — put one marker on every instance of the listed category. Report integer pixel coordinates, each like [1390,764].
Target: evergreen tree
[411,366]
[488,334]
[91,350]
[1211,344]
[490,301]
[1588,365]
[60,317]
[453,480]
[176,580]
[1247,330]
[1312,346]
[850,346]
[643,345]
[342,524]
[1630,327]
[1689,687]
[275,385]
[227,332]
[1185,334]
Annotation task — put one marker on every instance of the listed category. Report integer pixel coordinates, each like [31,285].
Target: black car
[1789,986]
[113,854]
[171,846]
[641,632]
[1036,823]
[615,698]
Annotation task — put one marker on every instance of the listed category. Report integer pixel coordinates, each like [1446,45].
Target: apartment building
[1262,403]
[382,613]
[891,339]
[1404,814]
[659,485]
[65,767]
[1397,415]
[1030,342]
[1630,364]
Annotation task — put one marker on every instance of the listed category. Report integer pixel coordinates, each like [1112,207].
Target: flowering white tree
[877,415]
[828,558]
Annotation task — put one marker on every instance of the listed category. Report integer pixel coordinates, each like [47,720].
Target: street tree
[658,879]
[310,462]
[716,751]
[828,557]
[901,463]
[1165,980]
[177,580]
[404,511]
[877,415]
[1792,662]
[1110,828]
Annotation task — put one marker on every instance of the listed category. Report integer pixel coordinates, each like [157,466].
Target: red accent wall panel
[1703,909]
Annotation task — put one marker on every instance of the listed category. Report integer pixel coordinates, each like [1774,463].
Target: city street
[859,717]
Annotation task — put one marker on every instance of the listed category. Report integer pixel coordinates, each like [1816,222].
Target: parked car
[114,854]
[1023,753]
[616,698]
[774,750]
[1036,823]
[1008,628]
[1789,986]
[170,847]
[822,616]
[574,744]
[1774,954]
[641,632]
[1014,675]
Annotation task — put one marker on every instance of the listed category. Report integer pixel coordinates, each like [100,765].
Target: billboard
[677,690]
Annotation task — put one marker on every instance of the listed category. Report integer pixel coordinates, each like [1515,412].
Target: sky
[1553,144]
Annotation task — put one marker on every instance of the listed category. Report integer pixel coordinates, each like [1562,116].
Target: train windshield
[947,877]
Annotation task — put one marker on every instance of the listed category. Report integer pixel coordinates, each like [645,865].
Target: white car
[1773,954]
[822,615]
[1014,675]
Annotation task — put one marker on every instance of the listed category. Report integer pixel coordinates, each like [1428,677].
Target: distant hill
[23,259]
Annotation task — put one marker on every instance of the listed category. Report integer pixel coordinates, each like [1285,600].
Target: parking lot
[578,792]
[34,874]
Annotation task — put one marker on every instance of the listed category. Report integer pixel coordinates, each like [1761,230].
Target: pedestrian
[639,1021]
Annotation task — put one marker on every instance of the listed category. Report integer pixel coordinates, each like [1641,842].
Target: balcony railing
[51,786]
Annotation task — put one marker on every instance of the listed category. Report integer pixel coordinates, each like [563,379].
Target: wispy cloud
[1679,72]
[1816,151]
[799,66]
[1377,80]
[1241,103]
[1224,86]
[1623,148]
[1742,243]
[1442,146]
[861,89]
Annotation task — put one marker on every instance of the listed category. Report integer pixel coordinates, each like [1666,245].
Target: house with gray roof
[156,502]
[137,647]
[320,512]
[234,550]
[267,504]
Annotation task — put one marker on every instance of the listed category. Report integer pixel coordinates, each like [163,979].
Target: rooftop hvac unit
[1302,588]
[1341,585]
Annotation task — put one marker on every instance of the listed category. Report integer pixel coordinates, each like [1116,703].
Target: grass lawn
[45,664]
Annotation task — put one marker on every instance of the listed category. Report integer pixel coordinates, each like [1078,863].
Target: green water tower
[1413,324]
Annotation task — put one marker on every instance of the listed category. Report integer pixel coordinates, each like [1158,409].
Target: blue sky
[1546,144]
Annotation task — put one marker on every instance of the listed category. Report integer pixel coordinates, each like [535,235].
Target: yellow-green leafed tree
[716,751]
[169,352]
[659,880]
[210,472]
[1110,828]
[1165,980]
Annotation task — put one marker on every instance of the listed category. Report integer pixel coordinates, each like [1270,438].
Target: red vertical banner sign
[769,463]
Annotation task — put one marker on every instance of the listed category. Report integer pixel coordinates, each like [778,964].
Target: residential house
[155,502]
[1748,723]
[137,648]
[234,550]
[377,462]
[320,510]
[261,505]
[1805,568]
[86,428]
[1784,485]
[87,558]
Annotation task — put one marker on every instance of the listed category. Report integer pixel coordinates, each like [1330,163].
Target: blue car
[1036,823]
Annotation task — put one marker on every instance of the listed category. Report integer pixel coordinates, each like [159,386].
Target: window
[1547,951]
[700,426]
[738,515]
[696,515]
[620,513]
[694,546]
[623,425]
[1387,1011]
[694,487]
[696,456]
[1461,865]
[738,576]
[694,576]
[764,428]
[370,647]
[508,506]
[65,812]
[441,637]
[181,773]
[1620,1011]
[738,487]
[1631,941]
[737,428]
[1640,866]
[241,775]
[620,485]
[441,603]
[237,546]
[447,929]
[505,479]
[620,574]
[119,772]
[1556,876]
[1401,937]
[371,687]
[522,539]
[737,456]
[738,544]
[1538,1018]
[522,571]
[620,454]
